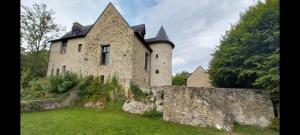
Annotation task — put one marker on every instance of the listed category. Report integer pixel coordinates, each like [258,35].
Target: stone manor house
[110,47]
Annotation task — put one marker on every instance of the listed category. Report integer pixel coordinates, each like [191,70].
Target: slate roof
[84,31]
[139,29]
[160,37]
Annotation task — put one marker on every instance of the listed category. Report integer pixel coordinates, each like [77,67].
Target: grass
[81,121]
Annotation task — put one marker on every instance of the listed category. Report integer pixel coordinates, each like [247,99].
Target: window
[57,72]
[52,71]
[79,47]
[63,49]
[105,55]
[64,69]
[101,78]
[156,55]
[156,71]
[146,60]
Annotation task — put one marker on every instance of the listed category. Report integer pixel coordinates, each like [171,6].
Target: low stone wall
[48,104]
[217,107]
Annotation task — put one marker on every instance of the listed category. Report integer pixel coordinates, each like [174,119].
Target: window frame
[105,51]
[63,49]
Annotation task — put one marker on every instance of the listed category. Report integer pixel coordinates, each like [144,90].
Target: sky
[194,26]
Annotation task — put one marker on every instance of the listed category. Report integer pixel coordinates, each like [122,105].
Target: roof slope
[69,35]
[139,31]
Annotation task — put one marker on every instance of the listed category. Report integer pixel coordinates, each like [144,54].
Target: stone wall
[152,102]
[217,107]
[48,104]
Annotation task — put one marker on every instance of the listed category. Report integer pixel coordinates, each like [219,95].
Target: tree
[248,55]
[180,78]
[37,28]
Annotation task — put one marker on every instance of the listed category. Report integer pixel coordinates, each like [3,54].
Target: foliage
[248,56]
[38,89]
[153,114]
[37,28]
[180,78]
[26,77]
[137,92]
[62,83]
[274,124]
[80,121]
[91,87]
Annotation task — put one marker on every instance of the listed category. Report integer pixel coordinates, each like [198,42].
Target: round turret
[161,59]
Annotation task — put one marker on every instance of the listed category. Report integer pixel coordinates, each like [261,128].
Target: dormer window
[76,29]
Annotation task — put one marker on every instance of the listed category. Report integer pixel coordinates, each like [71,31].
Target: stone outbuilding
[199,78]
[111,47]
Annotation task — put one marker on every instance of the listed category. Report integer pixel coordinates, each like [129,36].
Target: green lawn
[80,121]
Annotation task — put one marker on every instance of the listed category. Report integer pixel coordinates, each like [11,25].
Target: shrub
[62,83]
[274,124]
[137,92]
[92,88]
[153,114]
[37,88]
[26,77]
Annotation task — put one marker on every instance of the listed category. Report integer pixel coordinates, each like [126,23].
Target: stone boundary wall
[48,104]
[217,107]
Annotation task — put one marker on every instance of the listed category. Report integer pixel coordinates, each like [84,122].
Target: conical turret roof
[162,35]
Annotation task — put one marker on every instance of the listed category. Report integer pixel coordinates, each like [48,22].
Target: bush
[62,83]
[26,77]
[37,88]
[274,124]
[92,88]
[137,92]
[153,114]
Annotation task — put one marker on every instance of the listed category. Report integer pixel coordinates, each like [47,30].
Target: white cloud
[177,61]
[194,26]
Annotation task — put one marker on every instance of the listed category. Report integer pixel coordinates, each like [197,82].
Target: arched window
[57,72]
[156,56]
[156,71]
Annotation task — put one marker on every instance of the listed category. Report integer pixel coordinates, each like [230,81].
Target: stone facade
[217,107]
[126,54]
[161,64]
[199,78]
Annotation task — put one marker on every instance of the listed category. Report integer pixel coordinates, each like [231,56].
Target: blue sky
[194,26]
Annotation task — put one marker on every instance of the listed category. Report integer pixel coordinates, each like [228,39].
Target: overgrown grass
[153,114]
[138,94]
[81,121]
